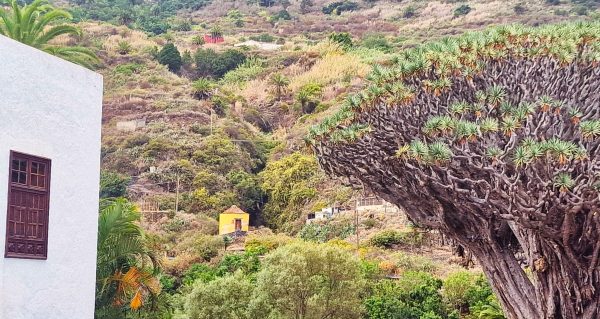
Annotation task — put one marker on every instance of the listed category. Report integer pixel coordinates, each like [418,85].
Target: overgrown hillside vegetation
[207,104]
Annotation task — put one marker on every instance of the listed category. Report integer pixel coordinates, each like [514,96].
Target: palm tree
[280,82]
[34,25]
[126,267]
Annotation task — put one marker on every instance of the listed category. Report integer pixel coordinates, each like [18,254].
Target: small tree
[203,88]
[305,280]
[170,56]
[280,82]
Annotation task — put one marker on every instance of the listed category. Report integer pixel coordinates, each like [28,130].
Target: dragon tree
[493,138]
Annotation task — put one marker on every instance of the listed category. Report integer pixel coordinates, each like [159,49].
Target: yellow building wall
[227,223]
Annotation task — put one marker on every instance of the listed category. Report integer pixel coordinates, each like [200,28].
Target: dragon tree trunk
[493,139]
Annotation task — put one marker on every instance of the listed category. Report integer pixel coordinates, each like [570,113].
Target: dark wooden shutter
[28,201]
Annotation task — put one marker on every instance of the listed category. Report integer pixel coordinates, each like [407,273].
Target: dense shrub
[388,238]
[208,247]
[325,232]
[462,10]
[129,69]
[376,42]
[201,272]
[344,39]
[248,263]
[416,295]
[214,64]
[263,244]
[339,7]
[170,56]
[113,184]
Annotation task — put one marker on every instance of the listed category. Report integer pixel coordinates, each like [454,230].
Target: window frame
[28,188]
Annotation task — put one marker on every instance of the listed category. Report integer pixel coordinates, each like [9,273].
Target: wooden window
[28,205]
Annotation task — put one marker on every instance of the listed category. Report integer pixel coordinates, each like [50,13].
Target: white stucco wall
[52,108]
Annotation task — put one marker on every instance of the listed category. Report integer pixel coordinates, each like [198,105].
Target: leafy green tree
[37,24]
[126,266]
[225,298]
[170,56]
[113,184]
[289,183]
[309,281]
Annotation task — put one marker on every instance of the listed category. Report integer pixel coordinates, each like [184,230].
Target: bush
[247,263]
[211,63]
[170,56]
[462,10]
[208,247]
[129,68]
[263,244]
[408,262]
[409,12]
[113,184]
[264,37]
[416,295]
[198,40]
[386,239]
[323,233]
[520,8]
[376,42]
[200,272]
[344,39]
[339,7]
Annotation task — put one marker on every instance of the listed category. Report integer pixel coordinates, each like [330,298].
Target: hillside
[191,128]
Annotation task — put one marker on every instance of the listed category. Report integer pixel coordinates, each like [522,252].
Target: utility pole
[356,224]
[211,122]
[177,194]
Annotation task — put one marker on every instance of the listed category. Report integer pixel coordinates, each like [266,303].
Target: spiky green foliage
[37,24]
[467,55]
[498,148]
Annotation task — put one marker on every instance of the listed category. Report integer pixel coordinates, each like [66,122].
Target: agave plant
[37,24]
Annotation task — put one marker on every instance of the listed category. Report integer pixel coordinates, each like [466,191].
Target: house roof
[234,210]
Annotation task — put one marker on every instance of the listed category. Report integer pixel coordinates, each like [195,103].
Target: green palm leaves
[125,267]
[36,25]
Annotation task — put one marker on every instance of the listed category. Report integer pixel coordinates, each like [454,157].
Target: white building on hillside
[50,120]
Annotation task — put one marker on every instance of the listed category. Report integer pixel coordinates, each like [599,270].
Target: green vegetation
[34,25]
[218,125]
[170,56]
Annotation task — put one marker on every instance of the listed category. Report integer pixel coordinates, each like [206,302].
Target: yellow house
[233,220]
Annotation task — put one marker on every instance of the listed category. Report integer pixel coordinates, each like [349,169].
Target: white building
[50,120]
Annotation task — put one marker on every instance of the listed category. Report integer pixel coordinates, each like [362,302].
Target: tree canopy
[492,138]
